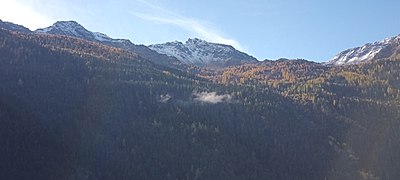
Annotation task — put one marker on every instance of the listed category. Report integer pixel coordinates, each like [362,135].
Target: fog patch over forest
[211,97]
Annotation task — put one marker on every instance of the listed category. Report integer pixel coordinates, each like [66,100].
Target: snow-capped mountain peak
[72,28]
[202,53]
[196,41]
[368,52]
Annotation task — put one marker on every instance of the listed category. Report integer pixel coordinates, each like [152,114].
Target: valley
[76,104]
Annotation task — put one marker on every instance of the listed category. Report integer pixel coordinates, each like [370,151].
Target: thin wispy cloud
[201,28]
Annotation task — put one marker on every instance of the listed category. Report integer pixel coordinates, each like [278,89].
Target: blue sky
[267,29]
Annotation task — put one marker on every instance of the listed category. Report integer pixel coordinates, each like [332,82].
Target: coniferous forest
[76,109]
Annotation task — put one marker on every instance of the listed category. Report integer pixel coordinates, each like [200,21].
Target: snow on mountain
[72,28]
[368,52]
[203,53]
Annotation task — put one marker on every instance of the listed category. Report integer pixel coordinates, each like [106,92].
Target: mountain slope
[388,48]
[201,53]
[75,109]
[72,108]
[268,71]
[74,29]
[13,27]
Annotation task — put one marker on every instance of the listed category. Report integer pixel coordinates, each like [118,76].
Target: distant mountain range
[206,54]
[194,52]
[74,29]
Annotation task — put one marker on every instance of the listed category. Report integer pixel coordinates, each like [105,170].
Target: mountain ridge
[194,52]
[13,27]
[202,53]
[74,29]
[387,48]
